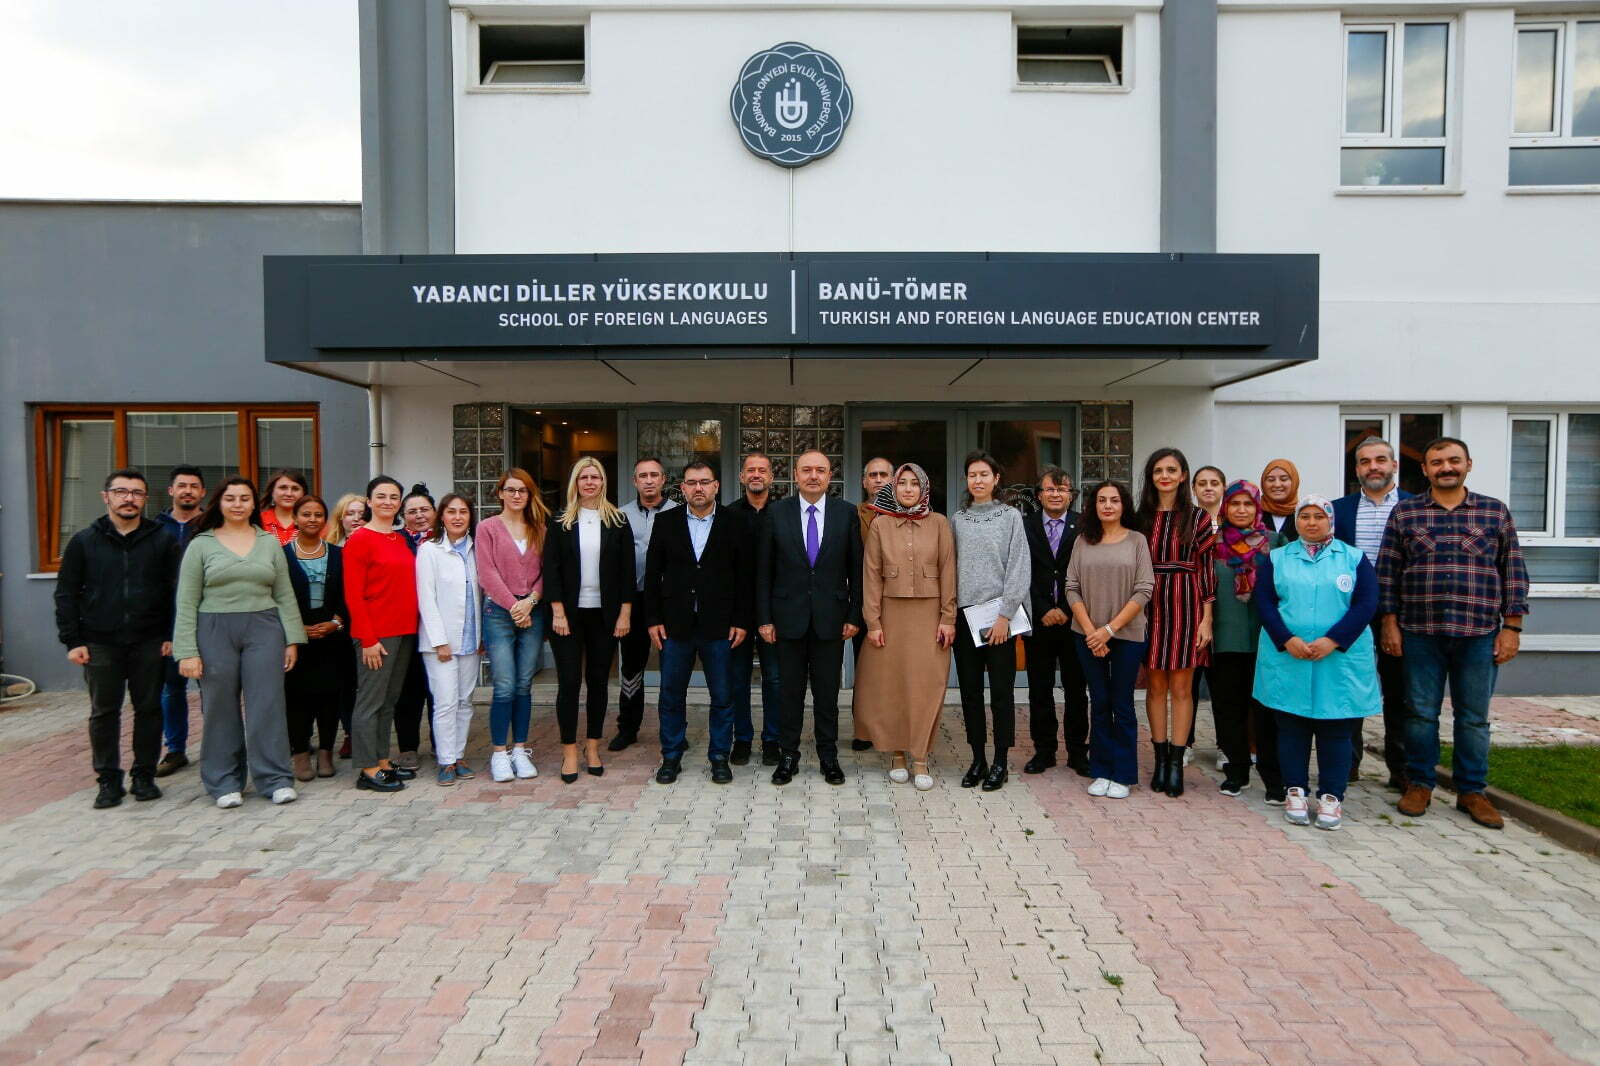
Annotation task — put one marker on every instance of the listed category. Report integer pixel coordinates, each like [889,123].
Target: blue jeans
[513,652]
[744,660]
[1468,664]
[1335,746]
[174,707]
[677,663]
[1113,725]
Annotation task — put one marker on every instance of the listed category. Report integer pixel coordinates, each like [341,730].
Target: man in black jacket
[697,602]
[115,597]
[1049,648]
[808,602]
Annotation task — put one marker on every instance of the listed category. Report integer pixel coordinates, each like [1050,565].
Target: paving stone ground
[617,921]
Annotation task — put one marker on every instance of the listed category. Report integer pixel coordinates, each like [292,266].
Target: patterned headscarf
[1281,509]
[886,502]
[1313,500]
[1241,548]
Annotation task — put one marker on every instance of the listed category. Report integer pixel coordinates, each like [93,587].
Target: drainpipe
[374,430]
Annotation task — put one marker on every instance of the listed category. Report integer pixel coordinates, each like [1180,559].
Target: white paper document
[981,617]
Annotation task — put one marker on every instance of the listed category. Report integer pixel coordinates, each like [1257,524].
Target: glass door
[1024,440]
[925,436]
[675,435]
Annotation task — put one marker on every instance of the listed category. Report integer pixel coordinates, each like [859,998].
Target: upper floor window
[1397,81]
[1070,56]
[1555,125]
[531,56]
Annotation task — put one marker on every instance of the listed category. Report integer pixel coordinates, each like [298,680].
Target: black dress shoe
[860,745]
[770,754]
[622,741]
[741,753]
[720,772]
[832,772]
[788,766]
[143,786]
[379,782]
[1175,770]
[110,794]
[668,773]
[1038,764]
[400,773]
[975,773]
[996,778]
[171,763]
[1079,764]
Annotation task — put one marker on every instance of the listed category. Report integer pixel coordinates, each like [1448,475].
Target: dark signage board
[331,307]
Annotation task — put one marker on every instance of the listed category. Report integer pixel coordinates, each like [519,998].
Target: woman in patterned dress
[1181,541]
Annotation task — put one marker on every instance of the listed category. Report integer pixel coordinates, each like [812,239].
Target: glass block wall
[1105,442]
[785,430]
[479,451]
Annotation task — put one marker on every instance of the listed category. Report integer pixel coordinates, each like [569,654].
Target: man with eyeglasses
[1051,531]
[115,596]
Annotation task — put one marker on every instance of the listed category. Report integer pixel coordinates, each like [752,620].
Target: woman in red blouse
[283,490]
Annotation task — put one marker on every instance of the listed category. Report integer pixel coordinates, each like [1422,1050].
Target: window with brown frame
[77,445]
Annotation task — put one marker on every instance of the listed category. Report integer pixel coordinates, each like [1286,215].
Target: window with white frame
[1555,124]
[531,56]
[1555,494]
[1397,87]
[1408,431]
[1077,56]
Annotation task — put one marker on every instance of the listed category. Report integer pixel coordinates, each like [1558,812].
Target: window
[1555,125]
[1409,432]
[524,56]
[75,447]
[1555,494]
[1077,57]
[1397,78]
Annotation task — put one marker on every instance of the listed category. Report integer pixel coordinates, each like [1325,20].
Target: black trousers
[1050,656]
[1237,714]
[314,693]
[414,699]
[635,653]
[1396,704]
[135,672]
[1000,661]
[583,658]
[821,662]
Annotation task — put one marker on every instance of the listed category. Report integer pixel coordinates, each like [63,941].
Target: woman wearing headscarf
[909,606]
[1243,541]
[1280,488]
[1315,664]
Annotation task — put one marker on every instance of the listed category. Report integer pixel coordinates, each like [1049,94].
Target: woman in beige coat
[909,605]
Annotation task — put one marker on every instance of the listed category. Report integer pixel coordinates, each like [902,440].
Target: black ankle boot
[1175,770]
[1158,776]
[976,772]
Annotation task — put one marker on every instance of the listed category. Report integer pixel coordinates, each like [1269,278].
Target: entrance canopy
[793,319]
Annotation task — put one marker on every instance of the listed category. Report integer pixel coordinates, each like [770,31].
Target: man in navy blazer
[1359,520]
[808,602]
[1050,532]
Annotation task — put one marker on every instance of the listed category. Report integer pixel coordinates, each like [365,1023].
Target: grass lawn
[1564,778]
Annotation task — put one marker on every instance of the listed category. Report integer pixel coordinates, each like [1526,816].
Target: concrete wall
[134,303]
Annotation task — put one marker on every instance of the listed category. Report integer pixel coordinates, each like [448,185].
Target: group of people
[1303,615]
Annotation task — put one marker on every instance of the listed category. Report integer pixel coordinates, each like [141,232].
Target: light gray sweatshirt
[991,556]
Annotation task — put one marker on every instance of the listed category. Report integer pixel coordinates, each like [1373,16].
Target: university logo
[791,104]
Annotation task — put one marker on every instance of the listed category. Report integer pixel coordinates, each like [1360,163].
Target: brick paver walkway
[617,921]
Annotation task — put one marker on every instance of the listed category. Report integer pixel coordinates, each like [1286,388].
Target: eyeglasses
[514,492]
[699,483]
[419,510]
[127,494]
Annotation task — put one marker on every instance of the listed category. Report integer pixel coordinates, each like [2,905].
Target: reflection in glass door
[676,435]
[925,441]
[1024,441]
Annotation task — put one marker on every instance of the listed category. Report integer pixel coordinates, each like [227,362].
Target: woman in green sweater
[236,632]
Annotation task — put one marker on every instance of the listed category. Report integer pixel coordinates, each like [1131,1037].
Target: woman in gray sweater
[991,563]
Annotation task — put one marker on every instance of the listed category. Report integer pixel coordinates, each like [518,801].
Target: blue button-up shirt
[700,530]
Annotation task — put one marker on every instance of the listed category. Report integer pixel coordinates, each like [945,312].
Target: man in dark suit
[808,602]
[697,602]
[1049,648]
[1359,520]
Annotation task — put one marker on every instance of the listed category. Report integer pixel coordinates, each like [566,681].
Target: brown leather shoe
[1414,804]
[1480,810]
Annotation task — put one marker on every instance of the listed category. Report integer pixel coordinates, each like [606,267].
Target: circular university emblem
[1345,582]
[791,104]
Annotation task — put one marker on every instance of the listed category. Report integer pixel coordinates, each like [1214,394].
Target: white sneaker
[500,766]
[924,782]
[1295,808]
[1117,791]
[280,796]
[522,765]
[899,775]
[1099,786]
[231,799]
[1330,812]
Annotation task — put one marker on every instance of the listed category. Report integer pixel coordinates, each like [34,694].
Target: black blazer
[327,662]
[699,599]
[1287,531]
[563,575]
[1048,586]
[793,596]
[332,592]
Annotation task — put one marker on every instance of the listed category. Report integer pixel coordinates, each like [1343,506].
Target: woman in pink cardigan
[515,618]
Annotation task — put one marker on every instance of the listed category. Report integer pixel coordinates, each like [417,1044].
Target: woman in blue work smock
[1315,664]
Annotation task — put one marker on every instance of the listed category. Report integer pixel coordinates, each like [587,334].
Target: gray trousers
[377,691]
[242,654]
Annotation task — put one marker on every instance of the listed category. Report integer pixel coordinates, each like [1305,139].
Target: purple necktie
[1052,530]
[813,542]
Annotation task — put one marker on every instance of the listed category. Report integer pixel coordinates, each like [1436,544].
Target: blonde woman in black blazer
[589,584]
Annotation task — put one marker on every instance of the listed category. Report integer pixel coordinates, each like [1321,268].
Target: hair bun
[419,489]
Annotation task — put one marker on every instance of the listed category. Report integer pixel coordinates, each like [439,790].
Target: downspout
[374,430]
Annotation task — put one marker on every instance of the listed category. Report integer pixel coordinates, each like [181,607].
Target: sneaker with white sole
[1295,809]
[923,782]
[1330,812]
[229,800]
[1099,786]
[522,764]
[899,775]
[1117,791]
[500,766]
[280,796]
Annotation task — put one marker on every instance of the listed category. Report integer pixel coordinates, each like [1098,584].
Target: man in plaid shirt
[1452,593]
